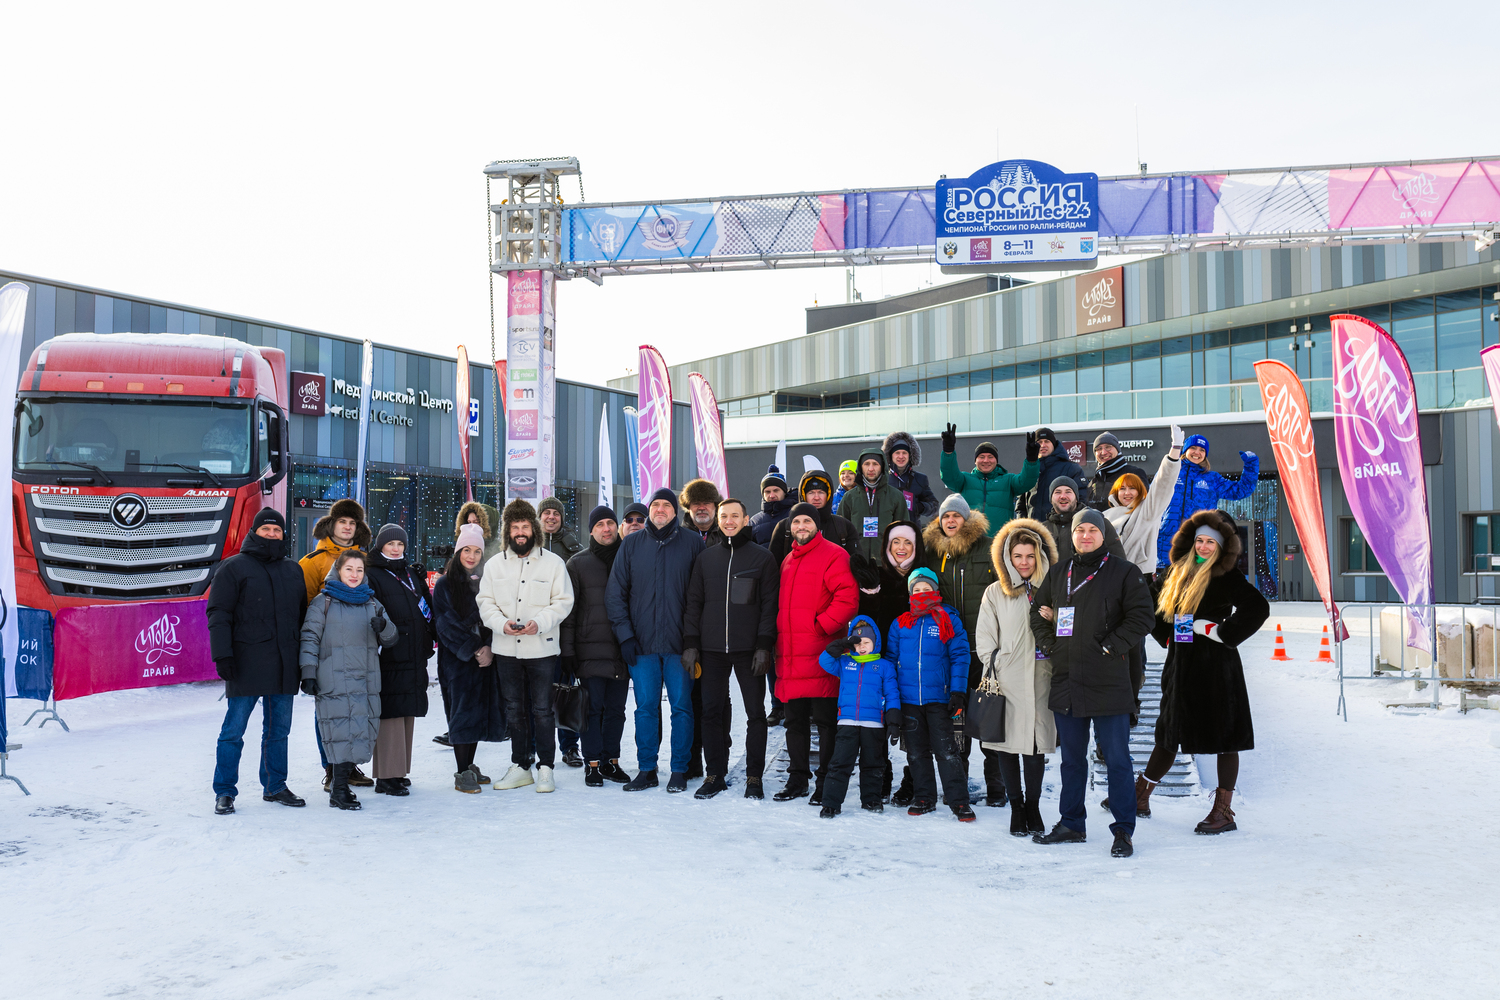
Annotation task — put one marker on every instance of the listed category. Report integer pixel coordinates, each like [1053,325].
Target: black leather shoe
[795,789]
[1060,835]
[677,782]
[442,740]
[874,807]
[572,758]
[827,812]
[1121,848]
[286,798]
[390,786]
[223,805]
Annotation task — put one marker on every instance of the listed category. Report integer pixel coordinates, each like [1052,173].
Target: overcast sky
[320,165]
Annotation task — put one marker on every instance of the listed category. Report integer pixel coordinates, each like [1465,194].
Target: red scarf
[929,602]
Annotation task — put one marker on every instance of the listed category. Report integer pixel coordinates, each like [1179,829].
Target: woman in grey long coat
[340,660]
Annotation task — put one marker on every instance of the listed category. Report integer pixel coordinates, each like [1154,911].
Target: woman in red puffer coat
[818,599]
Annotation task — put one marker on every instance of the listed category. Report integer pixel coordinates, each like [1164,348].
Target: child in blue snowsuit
[1199,489]
[931,652]
[869,710]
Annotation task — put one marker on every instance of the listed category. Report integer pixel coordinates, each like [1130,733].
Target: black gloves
[839,647]
[630,651]
[689,659]
[957,701]
[226,668]
[378,624]
[309,686]
[567,664]
[866,574]
[760,663]
[1033,446]
[950,437]
[893,725]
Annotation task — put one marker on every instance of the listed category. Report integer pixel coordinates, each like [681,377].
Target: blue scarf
[341,591]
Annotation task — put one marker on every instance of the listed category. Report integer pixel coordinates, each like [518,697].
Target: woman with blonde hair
[1022,553]
[1206,608]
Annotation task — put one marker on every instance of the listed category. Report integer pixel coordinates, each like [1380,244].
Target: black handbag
[986,722]
[570,706]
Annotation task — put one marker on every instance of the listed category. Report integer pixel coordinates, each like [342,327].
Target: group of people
[871,611]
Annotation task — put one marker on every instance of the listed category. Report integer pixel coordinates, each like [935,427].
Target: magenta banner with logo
[1380,459]
[1490,358]
[708,433]
[111,647]
[654,412]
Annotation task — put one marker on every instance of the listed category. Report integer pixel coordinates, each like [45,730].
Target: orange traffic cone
[1325,654]
[1279,653]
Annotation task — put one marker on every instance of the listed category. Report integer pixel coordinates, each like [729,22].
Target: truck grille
[107,547]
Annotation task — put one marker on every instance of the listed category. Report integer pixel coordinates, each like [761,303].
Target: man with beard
[255,610]
[1053,462]
[524,596]
[729,626]
[645,598]
[1065,504]
[700,504]
[774,506]
[1111,466]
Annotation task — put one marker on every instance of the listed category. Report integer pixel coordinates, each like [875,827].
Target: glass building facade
[414,474]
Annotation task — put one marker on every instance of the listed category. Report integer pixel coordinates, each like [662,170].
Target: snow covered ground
[1364,866]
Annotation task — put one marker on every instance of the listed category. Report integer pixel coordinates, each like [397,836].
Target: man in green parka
[988,489]
[872,503]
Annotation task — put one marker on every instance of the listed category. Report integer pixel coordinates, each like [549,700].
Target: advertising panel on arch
[1018,215]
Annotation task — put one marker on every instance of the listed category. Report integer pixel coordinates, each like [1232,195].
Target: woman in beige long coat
[1022,553]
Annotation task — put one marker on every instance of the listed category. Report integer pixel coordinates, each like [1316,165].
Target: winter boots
[817,796]
[339,796]
[641,782]
[611,770]
[1221,818]
[754,789]
[358,778]
[964,813]
[390,786]
[592,778]
[1144,786]
[464,781]
[795,789]
[712,785]
[327,777]
[479,776]
[677,782]
[906,792]
[994,784]
[1018,826]
[1034,824]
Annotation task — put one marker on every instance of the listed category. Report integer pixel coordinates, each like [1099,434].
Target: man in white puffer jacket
[524,596]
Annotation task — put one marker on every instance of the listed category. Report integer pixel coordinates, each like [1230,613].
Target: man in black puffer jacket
[729,626]
[591,653]
[775,505]
[1054,462]
[255,608]
[902,456]
[1087,616]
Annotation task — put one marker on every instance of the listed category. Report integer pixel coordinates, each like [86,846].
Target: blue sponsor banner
[1018,211]
[641,232]
[34,659]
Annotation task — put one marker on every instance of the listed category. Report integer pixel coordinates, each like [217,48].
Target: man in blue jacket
[1198,488]
[644,600]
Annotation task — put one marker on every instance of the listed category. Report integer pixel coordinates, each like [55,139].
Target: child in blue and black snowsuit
[931,652]
[869,710]
[1198,488]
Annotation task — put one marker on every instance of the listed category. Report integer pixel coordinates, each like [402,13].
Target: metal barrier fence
[1472,649]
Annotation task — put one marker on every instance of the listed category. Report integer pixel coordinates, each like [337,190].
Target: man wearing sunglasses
[633,520]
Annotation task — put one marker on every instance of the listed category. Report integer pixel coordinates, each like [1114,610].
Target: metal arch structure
[1357,204]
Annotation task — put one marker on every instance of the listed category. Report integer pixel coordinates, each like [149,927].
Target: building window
[1484,543]
[1357,555]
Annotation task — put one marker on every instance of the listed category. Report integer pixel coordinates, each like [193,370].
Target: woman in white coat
[1135,512]
[1022,553]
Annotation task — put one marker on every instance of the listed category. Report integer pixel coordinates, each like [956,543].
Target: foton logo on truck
[129,500]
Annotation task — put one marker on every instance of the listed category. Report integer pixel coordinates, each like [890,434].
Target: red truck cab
[140,461]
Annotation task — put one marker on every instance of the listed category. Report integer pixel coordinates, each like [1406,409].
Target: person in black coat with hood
[402,589]
[815,489]
[902,456]
[255,608]
[476,710]
[729,626]
[1054,463]
[591,653]
[1088,614]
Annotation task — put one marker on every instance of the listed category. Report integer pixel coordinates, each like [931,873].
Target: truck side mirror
[276,443]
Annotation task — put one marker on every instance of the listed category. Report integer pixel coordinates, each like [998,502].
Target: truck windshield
[145,436]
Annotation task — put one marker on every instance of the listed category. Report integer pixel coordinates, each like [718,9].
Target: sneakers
[464,781]
[572,757]
[828,812]
[1060,835]
[921,807]
[754,789]
[712,785]
[611,770]
[285,797]
[677,782]
[592,778]
[964,813]
[223,805]
[358,778]
[479,776]
[795,788]
[1121,848]
[390,786]
[641,782]
[544,781]
[519,776]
